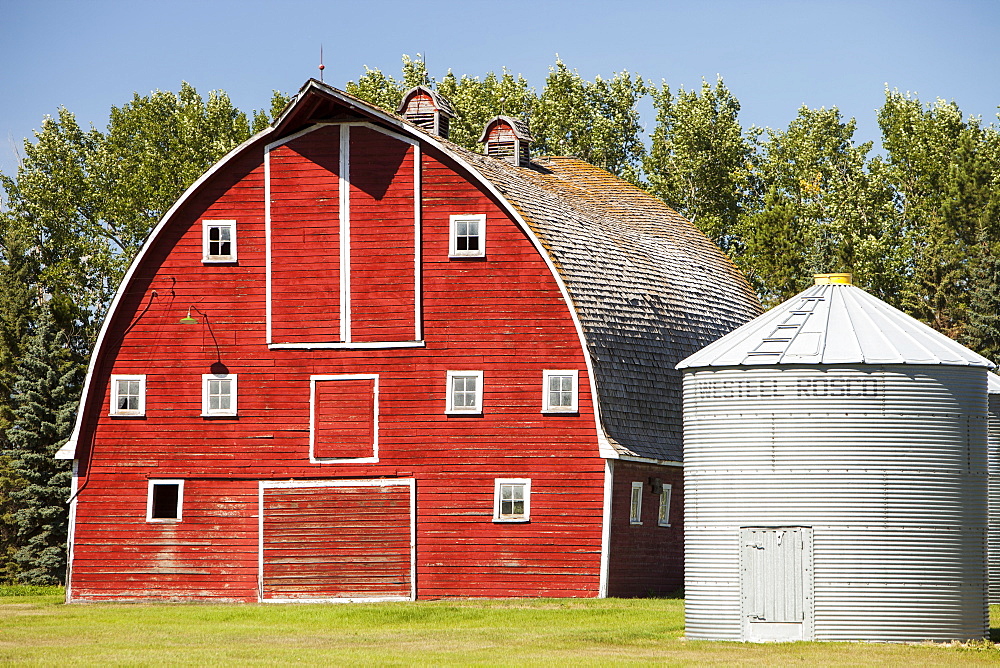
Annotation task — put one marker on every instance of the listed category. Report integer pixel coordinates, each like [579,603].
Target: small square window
[465,392]
[512,500]
[218,241]
[128,395]
[468,236]
[218,394]
[164,500]
[560,391]
[663,518]
[635,507]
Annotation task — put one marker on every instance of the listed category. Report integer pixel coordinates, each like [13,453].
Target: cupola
[508,139]
[427,109]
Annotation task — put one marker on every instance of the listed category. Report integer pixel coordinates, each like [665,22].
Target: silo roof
[834,323]
[992,383]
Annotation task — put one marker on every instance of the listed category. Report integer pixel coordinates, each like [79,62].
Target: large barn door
[776,583]
[338,540]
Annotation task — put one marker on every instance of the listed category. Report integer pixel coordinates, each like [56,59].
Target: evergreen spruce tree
[45,394]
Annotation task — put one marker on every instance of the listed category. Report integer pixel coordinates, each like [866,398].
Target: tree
[595,121]
[830,203]
[944,170]
[45,395]
[700,163]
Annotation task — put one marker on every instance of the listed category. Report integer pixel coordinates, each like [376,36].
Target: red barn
[356,361]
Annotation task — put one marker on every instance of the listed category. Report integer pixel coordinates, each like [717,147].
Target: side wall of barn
[646,556]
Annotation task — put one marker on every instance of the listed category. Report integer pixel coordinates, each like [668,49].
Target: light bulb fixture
[188,320]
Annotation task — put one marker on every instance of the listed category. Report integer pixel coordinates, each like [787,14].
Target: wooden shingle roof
[648,288]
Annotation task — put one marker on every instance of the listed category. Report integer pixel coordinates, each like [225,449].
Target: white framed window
[165,501]
[128,395]
[635,507]
[559,390]
[512,500]
[218,241]
[218,394]
[465,392]
[663,517]
[468,236]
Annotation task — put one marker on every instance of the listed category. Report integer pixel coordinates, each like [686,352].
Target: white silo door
[776,583]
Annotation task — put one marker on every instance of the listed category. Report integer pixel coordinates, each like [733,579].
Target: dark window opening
[165,501]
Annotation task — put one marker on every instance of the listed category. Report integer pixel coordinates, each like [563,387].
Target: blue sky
[88,55]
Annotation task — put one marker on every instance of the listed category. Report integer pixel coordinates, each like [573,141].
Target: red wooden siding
[383,253]
[344,418]
[209,553]
[305,238]
[634,547]
[337,542]
[503,315]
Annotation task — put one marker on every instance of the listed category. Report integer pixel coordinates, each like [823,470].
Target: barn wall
[646,559]
[503,314]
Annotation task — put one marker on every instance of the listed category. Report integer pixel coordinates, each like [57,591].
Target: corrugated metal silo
[993,441]
[835,477]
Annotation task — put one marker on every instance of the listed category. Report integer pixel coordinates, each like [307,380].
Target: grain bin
[835,477]
[993,447]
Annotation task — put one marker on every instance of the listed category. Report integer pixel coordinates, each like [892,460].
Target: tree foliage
[700,162]
[45,396]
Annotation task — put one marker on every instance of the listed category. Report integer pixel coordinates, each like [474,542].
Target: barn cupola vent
[508,139]
[427,109]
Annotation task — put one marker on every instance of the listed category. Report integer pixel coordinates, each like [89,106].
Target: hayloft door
[776,583]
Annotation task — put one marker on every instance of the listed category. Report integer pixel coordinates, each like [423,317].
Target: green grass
[36,628]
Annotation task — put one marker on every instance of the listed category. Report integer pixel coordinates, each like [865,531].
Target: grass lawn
[36,628]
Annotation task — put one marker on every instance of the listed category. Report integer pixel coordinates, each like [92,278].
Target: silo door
[776,583]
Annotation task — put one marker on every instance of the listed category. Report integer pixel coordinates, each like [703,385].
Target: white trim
[74,485]
[206,258]
[418,207]
[453,220]
[344,209]
[605,449]
[450,409]
[180,500]
[233,394]
[381,482]
[497,484]
[609,479]
[353,345]
[574,406]
[635,519]
[667,489]
[113,409]
[312,419]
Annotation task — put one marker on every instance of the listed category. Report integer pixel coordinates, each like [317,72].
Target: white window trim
[636,518]
[180,500]
[449,397]
[113,400]
[313,419]
[574,406]
[497,482]
[233,394]
[209,259]
[665,493]
[453,251]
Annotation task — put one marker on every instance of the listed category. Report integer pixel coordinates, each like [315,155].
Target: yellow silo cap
[826,279]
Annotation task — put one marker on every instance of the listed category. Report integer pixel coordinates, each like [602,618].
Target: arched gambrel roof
[645,288]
